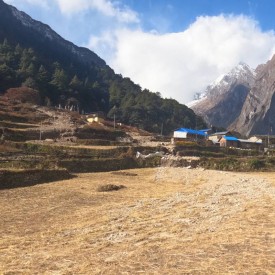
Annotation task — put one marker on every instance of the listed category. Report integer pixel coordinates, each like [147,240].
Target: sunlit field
[166,221]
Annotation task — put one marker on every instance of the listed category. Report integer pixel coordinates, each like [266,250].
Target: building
[96,117]
[188,134]
[251,143]
[268,141]
[217,136]
[229,141]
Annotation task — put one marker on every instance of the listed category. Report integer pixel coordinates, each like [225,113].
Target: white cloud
[105,44]
[181,64]
[108,8]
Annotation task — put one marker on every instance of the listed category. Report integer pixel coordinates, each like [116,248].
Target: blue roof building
[230,138]
[185,133]
[229,141]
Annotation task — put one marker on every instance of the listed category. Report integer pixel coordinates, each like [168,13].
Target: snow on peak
[242,68]
[241,73]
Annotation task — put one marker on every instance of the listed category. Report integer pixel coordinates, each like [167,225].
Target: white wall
[178,134]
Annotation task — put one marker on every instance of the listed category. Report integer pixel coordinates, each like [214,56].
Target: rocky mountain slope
[258,113]
[22,29]
[221,103]
[243,100]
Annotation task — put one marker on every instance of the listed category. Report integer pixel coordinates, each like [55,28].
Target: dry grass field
[166,221]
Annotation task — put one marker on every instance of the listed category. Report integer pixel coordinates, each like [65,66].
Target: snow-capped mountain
[258,112]
[221,103]
[242,73]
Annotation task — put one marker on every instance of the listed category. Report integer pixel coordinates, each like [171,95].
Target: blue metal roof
[191,131]
[205,130]
[230,138]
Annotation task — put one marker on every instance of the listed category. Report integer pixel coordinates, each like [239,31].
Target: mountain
[221,103]
[33,55]
[22,29]
[258,112]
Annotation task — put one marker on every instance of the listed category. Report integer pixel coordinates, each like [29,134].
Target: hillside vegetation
[55,81]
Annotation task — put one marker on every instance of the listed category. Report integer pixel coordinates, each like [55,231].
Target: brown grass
[167,221]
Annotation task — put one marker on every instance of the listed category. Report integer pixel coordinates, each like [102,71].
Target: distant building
[188,134]
[222,139]
[217,136]
[229,141]
[95,117]
[251,143]
[267,140]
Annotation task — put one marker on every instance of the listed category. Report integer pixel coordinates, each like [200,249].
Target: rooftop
[191,131]
[228,138]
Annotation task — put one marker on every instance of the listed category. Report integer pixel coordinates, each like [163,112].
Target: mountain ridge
[221,103]
[47,35]
[258,112]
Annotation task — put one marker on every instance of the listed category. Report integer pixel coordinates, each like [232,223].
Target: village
[223,139]
[206,137]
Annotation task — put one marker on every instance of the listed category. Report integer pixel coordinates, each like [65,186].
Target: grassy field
[166,221]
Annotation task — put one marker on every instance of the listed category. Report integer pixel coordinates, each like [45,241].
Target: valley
[101,176]
[68,206]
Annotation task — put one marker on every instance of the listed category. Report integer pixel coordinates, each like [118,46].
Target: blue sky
[175,47]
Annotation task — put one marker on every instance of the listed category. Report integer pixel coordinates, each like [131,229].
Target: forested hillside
[90,88]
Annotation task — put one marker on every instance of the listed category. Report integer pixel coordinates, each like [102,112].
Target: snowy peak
[257,115]
[220,104]
[241,73]
[241,68]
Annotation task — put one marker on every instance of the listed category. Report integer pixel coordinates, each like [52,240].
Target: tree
[18,50]
[75,83]
[30,70]
[42,75]
[7,76]
[5,46]
[59,79]
[27,64]
[29,82]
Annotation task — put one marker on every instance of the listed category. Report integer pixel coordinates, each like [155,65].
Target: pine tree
[42,75]
[59,79]
[75,83]
[30,82]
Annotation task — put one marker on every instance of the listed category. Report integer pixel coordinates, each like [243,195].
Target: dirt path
[167,221]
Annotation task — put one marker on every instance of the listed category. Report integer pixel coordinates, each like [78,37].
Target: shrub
[185,143]
[23,94]
[256,164]
[109,187]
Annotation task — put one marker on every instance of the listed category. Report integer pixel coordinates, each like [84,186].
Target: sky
[175,47]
